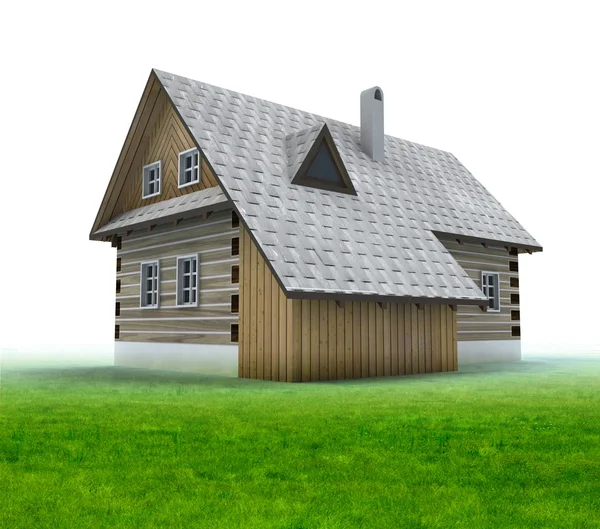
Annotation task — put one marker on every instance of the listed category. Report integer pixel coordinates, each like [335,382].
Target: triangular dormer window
[323,167]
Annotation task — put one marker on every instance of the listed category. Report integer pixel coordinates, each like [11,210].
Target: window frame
[301,178]
[143,291]
[181,170]
[485,288]
[179,277]
[146,174]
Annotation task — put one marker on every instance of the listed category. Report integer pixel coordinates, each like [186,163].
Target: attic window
[189,167]
[151,180]
[323,168]
[378,95]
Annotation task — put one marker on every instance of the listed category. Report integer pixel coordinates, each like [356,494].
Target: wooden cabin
[257,239]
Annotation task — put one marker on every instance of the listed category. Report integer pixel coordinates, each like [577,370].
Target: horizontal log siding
[472,322]
[210,322]
[164,138]
[309,340]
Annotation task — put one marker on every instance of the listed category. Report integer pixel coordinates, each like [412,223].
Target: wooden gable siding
[308,340]
[208,323]
[166,139]
[156,132]
[472,322]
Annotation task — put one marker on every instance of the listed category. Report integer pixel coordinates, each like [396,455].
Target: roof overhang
[378,298]
[529,248]
[182,207]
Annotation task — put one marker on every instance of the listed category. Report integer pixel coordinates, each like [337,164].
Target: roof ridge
[317,116]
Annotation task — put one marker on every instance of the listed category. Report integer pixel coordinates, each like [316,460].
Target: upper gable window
[151,180]
[189,167]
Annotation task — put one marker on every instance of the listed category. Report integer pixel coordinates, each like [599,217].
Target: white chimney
[371,122]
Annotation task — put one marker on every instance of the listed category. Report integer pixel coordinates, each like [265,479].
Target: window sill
[181,186]
[144,197]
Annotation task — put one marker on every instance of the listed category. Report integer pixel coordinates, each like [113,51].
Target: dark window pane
[196,159]
[186,296]
[323,167]
[186,281]
[188,162]
[186,267]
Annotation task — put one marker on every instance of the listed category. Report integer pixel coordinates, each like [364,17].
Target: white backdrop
[511,89]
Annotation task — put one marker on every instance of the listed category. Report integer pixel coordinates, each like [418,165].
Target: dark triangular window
[323,167]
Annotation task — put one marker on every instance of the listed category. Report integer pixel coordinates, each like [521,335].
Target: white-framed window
[151,180]
[189,167]
[149,284]
[490,285]
[187,281]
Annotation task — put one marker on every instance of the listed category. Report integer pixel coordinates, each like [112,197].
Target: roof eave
[530,248]
[378,298]
[100,234]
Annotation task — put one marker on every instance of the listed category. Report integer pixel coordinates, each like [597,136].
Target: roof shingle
[378,242]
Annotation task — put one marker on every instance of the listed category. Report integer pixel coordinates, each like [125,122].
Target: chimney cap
[374,92]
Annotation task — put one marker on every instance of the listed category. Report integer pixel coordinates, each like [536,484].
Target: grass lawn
[514,445]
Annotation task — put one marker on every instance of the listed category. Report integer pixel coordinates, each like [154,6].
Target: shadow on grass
[125,374]
[154,377]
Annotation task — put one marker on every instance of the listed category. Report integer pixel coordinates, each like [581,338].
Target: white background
[511,88]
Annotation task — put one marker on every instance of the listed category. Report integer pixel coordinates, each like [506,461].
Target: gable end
[157,134]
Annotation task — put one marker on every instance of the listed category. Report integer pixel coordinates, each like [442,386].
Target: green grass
[514,445]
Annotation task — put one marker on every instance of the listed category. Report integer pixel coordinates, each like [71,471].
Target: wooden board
[472,322]
[215,288]
[321,340]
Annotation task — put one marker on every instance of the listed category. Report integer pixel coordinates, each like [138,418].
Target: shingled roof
[379,242]
[189,205]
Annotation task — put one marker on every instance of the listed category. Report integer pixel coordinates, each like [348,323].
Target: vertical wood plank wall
[364,339]
[267,328]
[308,340]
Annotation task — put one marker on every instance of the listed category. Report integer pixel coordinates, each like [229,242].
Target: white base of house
[473,352]
[191,358]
